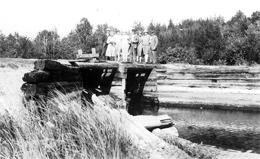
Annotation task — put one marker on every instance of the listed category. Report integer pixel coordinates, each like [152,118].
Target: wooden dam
[137,82]
[140,87]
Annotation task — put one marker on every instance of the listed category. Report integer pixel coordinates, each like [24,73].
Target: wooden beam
[97,65]
[151,122]
[48,65]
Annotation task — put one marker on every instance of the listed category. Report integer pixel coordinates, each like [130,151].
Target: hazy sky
[28,17]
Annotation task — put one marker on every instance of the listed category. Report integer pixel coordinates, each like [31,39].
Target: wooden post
[123,93]
[133,78]
[122,76]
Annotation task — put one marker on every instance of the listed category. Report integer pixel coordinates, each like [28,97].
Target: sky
[28,17]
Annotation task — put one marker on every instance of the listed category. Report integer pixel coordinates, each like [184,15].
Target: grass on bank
[67,131]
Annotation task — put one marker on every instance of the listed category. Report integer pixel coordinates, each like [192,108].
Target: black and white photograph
[129,79]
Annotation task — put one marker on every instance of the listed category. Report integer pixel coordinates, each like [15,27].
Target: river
[224,129]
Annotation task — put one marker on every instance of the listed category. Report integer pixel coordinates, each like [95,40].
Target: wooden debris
[153,122]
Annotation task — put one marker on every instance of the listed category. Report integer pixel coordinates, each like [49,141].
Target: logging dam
[216,105]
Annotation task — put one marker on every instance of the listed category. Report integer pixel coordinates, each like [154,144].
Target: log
[150,94]
[48,65]
[137,66]
[211,85]
[103,65]
[149,83]
[150,89]
[210,75]
[176,82]
[30,90]
[207,78]
[68,75]
[209,69]
[153,122]
[36,76]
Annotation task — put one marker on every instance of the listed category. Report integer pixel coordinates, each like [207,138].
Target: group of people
[138,47]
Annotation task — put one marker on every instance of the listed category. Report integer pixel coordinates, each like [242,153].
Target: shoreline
[211,106]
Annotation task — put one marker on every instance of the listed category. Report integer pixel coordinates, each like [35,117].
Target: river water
[224,129]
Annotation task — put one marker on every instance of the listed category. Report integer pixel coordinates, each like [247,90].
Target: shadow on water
[224,129]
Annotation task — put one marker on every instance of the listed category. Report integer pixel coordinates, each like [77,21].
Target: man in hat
[134,40]
[146,45]
[118,46]
[140,47]
[153,45]
[125,46]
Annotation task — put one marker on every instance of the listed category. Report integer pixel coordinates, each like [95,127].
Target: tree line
[48,44]
[209,41]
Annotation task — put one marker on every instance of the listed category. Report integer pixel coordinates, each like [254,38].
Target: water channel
[224,129]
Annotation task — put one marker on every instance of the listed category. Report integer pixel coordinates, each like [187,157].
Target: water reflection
[226,129]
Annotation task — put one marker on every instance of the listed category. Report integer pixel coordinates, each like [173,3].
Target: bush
[179,54]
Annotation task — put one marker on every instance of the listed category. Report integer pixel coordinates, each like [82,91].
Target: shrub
[180,54]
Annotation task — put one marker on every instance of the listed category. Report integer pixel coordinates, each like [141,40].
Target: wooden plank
[203,68]
[97,65]
[200,76]
[153,122]
[225,86]
[151,94]
[148,83]
[230,71]
[137,66]
[88,56]
[171,82]
[150,89]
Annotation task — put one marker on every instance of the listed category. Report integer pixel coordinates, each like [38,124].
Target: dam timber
[174,85]
[137,82]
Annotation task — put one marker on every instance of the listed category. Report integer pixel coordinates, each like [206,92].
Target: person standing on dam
[125,47]
[111,45]
[134,40]
[140,47]
[154,45]
[118,45]
[146,46]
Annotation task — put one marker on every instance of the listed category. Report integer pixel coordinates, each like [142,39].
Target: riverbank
[210,87]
